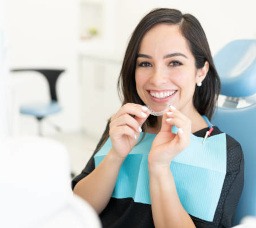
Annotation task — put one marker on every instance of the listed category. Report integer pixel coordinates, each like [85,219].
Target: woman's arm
[124,129]
[97,187]
[166,206]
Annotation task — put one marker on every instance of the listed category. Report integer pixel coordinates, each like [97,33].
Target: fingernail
[168,119]
[143,114]
[144,108]
[169,113]
[172,107]
[140,129]
[135,137]
[180,131]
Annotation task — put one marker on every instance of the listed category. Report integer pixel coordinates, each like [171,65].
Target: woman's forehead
[164,39]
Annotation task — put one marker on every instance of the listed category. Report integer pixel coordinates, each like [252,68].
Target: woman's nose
[159,76]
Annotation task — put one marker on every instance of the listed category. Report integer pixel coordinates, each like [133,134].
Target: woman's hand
[167,145]
[125,127]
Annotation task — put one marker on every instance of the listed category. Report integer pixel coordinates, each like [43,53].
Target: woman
[157,165]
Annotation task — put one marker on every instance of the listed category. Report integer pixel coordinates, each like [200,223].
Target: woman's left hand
[167,145]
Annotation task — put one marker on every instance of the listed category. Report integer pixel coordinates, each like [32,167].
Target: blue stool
[41,111]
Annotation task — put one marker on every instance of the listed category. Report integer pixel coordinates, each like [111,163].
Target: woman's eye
[144,64]
[175,63]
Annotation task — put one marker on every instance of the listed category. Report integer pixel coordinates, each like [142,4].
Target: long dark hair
[205,96]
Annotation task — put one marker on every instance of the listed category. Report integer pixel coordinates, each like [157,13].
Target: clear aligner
[160,113]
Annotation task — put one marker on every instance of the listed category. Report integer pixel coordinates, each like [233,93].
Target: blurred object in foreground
[35,189]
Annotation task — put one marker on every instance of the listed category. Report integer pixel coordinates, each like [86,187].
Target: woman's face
[165,70]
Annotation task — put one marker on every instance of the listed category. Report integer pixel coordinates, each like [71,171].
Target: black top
[127,213]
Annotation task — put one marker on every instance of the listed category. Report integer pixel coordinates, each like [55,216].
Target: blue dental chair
[236,65]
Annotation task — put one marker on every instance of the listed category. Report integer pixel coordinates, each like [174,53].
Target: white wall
[221,20]
[4,79]
[44,33]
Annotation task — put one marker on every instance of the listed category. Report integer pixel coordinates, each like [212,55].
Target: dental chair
[236,65]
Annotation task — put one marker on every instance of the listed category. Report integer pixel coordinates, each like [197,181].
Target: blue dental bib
[199,172]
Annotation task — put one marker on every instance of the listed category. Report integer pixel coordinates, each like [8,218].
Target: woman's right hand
[125,127]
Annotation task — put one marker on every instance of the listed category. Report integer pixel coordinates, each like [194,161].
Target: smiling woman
[166,72]
[142,174]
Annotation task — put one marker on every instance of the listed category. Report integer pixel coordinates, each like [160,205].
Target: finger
[177,118]
[183,138]
[123,131]
[128,120]
[142,119]
[176,113]
[179,123]
[167,123]
[167,120]
[135,110]
[138,112]
[183,129]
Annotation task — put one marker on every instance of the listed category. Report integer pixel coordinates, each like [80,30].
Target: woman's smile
[162,95]
[158,100]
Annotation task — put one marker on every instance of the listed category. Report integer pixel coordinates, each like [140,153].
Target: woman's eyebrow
[175,54]
[144,56]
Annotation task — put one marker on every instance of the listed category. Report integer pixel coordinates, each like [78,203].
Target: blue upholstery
[40,110]
[236,64]
[240,123]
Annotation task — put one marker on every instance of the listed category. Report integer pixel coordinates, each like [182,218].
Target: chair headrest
[236,65]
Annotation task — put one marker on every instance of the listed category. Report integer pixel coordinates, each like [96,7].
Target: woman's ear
[201,73]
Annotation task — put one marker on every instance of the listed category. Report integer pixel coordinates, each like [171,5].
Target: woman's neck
[198,123]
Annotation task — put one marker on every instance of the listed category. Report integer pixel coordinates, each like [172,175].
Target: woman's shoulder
[235,157]
[234,149]
[232,143]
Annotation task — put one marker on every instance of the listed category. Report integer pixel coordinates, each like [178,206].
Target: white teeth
[162,94]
